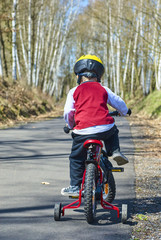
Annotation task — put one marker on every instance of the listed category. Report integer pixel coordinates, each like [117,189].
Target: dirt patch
[147,208]
[57,112]
[20,104]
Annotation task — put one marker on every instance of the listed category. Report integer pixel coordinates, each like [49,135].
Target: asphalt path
[37,153]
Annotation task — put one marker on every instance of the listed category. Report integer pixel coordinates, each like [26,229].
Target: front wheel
[90,193]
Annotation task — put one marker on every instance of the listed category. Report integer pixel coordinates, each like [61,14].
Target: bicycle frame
[94,148]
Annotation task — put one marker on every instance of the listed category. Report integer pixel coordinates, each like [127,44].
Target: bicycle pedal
[76,197]
[117,169]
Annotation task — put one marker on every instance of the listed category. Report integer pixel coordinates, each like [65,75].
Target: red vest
[91,105]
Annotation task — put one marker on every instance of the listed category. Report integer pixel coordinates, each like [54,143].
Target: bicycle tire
[89,193]
[57,211]
[124,213]
[109,187]
[109,191]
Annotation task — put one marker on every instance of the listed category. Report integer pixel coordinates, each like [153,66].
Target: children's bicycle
[98,184]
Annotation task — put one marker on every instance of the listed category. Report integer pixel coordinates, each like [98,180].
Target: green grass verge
[149,106]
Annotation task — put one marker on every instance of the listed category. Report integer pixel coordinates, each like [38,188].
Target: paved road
[36,153]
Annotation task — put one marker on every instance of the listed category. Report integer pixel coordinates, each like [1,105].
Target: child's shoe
[71,191]
[119,158]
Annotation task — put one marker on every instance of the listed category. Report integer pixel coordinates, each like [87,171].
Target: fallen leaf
[45,183]
[142,217]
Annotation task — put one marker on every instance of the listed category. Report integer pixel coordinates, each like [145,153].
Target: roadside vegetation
[147,106]
[145,125]
[20,103]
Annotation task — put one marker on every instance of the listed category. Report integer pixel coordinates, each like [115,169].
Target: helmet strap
[79,79]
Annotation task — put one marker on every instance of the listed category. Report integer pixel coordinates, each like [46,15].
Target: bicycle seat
[87,143]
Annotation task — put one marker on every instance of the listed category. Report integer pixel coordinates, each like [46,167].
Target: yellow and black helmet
[89,64]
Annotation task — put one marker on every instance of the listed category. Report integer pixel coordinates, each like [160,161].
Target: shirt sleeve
[69,109]
[116,102]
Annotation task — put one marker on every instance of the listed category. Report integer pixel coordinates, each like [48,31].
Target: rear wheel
[90,193]
[109,190]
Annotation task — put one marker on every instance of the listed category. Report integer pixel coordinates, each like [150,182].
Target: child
[86,112]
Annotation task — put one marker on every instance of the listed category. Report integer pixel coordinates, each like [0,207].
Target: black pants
[78,153]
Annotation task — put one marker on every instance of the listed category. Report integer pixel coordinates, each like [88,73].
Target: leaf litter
[146,135]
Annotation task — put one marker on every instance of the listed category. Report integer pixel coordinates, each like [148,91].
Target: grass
[149,106]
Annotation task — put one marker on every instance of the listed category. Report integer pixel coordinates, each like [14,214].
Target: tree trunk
[118,46]
[141,50]
[14,50]
[29,45]
[157,73]
[36,60]
[18,64]
[126,67]
[134,58]
[23,49]
[158,82]
[1,67]
[112,75]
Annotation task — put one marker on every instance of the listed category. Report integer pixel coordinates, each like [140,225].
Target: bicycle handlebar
[114,113]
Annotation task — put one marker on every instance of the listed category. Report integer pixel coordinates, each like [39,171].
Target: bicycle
[98,184]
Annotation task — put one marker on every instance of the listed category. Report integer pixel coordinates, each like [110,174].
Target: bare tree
[14,50]
[1,67]
[29,43]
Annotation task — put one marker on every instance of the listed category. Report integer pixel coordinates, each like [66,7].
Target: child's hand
[66,128]
[129,111]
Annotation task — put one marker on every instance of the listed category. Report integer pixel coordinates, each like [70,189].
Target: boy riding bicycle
[86,112]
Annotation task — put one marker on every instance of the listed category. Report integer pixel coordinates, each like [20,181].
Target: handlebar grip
[129,111]
[66,129]
[116,113]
